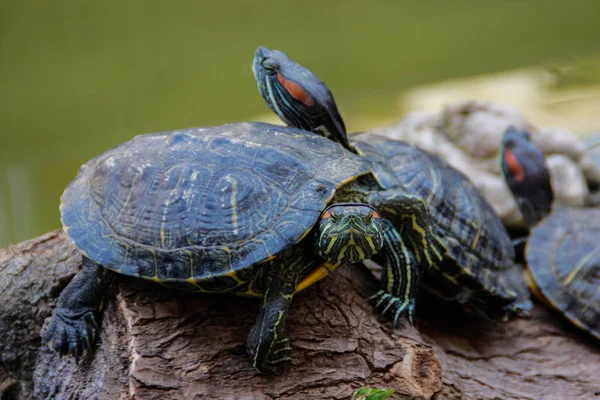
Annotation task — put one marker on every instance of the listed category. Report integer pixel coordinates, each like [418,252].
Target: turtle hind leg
[74,325]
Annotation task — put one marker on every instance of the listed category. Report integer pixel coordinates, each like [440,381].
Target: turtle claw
[394,304]
[71,335]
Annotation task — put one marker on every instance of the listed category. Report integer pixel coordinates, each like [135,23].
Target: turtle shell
[475,238]
[203,202]
[563,259]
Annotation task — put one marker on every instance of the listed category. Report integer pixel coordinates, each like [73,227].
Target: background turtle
[467,134]
[563,250]
[478,268]
[228,209]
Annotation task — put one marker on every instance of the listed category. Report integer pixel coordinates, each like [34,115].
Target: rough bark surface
[161,344]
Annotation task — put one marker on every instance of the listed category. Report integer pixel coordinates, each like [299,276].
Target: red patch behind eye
[296,91]
[326,215]
[376,215]
[514,165]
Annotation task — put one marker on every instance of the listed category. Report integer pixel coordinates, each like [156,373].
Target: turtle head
[297,96]
[348,233]
[526,174]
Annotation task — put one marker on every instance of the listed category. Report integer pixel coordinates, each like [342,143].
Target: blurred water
[77,78]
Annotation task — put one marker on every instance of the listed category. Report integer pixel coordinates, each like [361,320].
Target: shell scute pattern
[563,256]
[202,203]
[456,205]
[463,218]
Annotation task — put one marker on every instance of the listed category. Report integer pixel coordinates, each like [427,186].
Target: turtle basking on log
[249,209]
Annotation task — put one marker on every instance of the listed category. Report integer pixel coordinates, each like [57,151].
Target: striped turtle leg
[400,276]
[74,324]
[266,344]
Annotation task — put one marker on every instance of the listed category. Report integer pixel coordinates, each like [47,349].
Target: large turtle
[229,209]
[478,268]
[563,249]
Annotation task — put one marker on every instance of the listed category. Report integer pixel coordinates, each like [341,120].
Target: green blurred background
[79,77]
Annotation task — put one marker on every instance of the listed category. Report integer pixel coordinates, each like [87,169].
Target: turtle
[477,266]
[562,252]
[249,209]
[303,101]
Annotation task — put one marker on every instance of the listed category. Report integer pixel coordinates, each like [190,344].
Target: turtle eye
[269,67]
[332,216]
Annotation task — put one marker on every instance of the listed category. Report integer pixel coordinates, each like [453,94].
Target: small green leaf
[372,394]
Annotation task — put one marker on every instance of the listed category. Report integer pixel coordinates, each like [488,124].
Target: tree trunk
[161,344]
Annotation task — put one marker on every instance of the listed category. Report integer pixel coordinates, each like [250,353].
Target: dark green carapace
[227,209]
[439,226]
[563,249]
[478,268]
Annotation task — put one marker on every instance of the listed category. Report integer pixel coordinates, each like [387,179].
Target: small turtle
[563,250]
[478,268]
[239,209]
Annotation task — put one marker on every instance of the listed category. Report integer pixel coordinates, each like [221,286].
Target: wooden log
[157,343]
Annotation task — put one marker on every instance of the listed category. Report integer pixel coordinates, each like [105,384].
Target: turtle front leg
[266,344]
[400,276]
[74,325]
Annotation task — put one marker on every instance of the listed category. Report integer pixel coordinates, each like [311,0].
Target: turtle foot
[517,310]
[395,305]
[278,355]
[71,335]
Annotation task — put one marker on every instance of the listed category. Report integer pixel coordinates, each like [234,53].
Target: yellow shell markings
[249,292]
[234,215]
[435,185]
[579,266]
[162,234]
[316,275]
[530,280]
[190,264]
[167,203]
[531,283]
[233,275]
[155,278]
[551,300]
[194,282]
[476,227]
